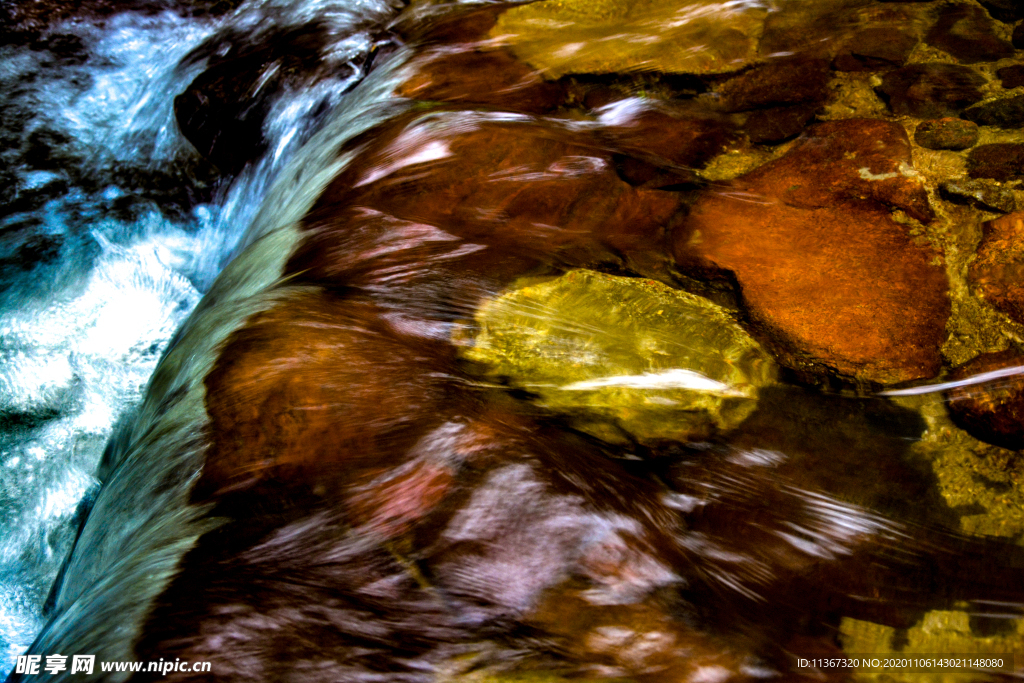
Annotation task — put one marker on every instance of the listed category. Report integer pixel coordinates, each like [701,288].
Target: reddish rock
[469,76]
[931,90]
[997,273]
[992,411]
[781,81]
[481,194]
[1012,76]
[998,161]
[317,388]
[968,33]
[875,48]
[825,272]
[947,133]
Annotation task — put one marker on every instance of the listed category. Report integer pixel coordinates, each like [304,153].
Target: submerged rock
[998,161]
[875,48]
[1007,112]
[487,78]
[1012,76]
[623,356]
[997,273]
[780,123]
[931,90]
[673,36]
[985,195]
[788,80]
[991,411]
[946,133]
[968,33]
[826,273]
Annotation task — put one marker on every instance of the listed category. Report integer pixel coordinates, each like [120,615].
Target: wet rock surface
[997,273]
[817,220]
[1011,76]
[485,78]
[779,123]
[947,133]
[991,411]
[622,357]
[968,33]
[998,161]
[931,90]
[781,81]
[874,49]
[646,35]
[985,195]
[1007,112]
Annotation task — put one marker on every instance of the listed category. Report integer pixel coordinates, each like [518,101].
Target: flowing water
[503,289]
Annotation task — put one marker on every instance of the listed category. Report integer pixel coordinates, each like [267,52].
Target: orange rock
[997,273]
[827,274]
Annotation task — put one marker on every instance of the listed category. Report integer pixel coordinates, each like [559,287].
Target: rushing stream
[629,339]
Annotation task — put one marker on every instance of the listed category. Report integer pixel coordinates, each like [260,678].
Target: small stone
[947,133]
[968,33]
[875,48]
[782,81]
[982,194]
[770,126]
[1005,113]
[1007,11]
[993,411]
[1001,161]
[622,356]
[931,90]
[997,273]
[827,275]
[1012,76]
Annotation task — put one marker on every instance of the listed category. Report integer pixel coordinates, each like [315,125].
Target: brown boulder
[825,271]
[485,78]
[997,273]
[458,198]
[991,411]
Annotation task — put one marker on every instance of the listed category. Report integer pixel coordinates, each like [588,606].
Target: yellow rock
[562,37]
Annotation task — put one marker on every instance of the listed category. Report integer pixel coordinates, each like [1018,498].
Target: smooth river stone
[997,272]
[611,36]
[623,356]
[992,411]
[827,275]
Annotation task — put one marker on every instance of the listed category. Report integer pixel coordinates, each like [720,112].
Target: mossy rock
[624,358]
[562,37]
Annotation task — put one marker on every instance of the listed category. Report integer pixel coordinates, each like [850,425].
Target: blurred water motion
[435,341]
